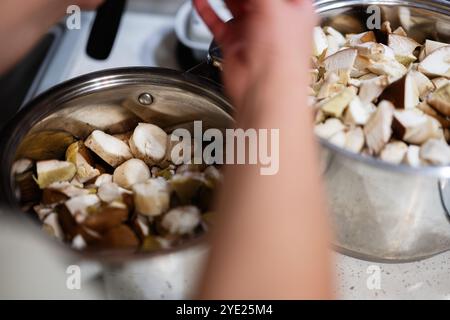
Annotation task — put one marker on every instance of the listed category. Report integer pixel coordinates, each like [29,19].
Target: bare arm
[272,238]
[23,23]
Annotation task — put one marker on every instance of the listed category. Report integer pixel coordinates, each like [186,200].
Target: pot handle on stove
[212,67]
[104,30]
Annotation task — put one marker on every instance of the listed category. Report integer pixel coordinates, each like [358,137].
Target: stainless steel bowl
[383,211]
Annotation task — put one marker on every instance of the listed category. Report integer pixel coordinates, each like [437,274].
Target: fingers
[237,7]
[212,20]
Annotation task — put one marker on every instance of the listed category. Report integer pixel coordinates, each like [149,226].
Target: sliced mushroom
[375,51]
[427,109]
[106,218]
[357,113]
[371,89]
[181,220]
[21,166]
[79,206]
[355,39]
[112,150]
[440,100]
[52,227]
[378,129]
[391,68]
[404,93]
[121,237]
[436,152]
[131,172]
[329,128]
[43,211]
[437,64]
[423,83]
[355,140]
[338,37]
[412,156]
[51,171]
[336,105]
[78,154]
[403,47]
[339,139]
[320,42]
[109,192]
[394,152]
[330,86]
[152,198]
[68,189]
[102,179]
[149,143]
[431,46]
[341,63]
[415,127]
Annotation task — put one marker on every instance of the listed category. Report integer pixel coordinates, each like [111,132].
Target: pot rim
[438,6]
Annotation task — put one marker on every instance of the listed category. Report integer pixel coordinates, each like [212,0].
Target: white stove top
[147,39]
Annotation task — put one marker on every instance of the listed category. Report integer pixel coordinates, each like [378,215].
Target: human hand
[266,37]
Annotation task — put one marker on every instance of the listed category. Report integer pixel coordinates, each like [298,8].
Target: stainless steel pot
[115,101]
[382,211]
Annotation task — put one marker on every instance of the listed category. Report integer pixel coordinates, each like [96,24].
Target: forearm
[23,24]
[279,219]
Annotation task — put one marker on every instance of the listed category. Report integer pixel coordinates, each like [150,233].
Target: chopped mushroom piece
[404,93]
[391,68]
[423,83]
[378,130]
[109,192]
[78,154]
[355,39]
[427,109]
[371,89]
[79,206]
[415,127]
[320,42]
[152,198]
[394,152]
[338,37]
[181,220]
[102,179]
[437,64]
[339,139]
[412,156]
[329,128]
[403,47]
[52,227]
[355,140]
[440,100]
[341,63]
[51,171]
[436,152]
[357,113]
[330,87]
[336,105]
[21,166]
[112,150]
[149,143]
[131,172]
[431,46]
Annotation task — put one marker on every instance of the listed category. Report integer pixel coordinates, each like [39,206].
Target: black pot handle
[212,67]
[104,30]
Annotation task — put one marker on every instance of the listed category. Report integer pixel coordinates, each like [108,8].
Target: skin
[272,238]
[28,22]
